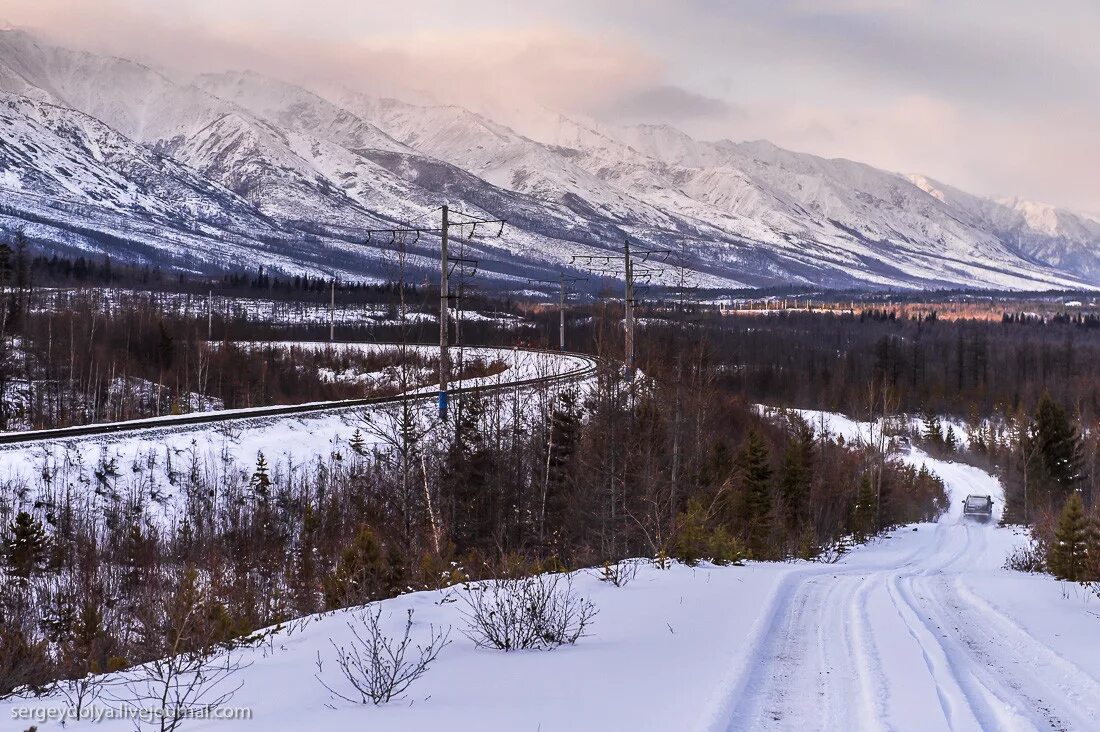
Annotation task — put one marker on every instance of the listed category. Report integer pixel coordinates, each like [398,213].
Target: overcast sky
[995,97]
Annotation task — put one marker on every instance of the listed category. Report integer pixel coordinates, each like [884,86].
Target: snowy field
[919,630]
[151,461]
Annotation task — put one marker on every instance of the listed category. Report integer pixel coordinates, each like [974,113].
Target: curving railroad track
[587,368]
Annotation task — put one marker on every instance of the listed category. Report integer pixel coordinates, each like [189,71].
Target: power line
[445,270]
[610,264]
[562,282]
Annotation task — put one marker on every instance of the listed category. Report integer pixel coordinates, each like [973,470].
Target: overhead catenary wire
[445,270]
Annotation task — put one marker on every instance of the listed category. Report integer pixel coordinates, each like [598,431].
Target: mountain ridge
[309,170]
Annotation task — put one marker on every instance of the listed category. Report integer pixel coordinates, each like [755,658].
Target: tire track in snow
[1032,679]
[894,639]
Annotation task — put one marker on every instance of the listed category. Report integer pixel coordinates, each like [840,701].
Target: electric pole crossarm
[562,281]
[447,265]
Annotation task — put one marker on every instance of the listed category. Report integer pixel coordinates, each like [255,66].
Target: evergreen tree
[366,571]
[469,472]
[1059,448]
[754,476]
[696,539]
[305,581]
[980,438]
[796,475]
[261,480]
[951,442]
[565,430]
[26,545]
[1068,556]
[933,428]
[863,513]
[357,443]
[1092,549]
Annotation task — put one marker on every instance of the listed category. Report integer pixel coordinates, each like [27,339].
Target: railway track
[186,420]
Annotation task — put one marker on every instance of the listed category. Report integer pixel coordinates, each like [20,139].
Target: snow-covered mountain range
[104,155]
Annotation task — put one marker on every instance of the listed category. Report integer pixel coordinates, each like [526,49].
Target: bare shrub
[620,573]
[539,612]
[834,551]
[162,694]
[24,664]
[377,667]
[81,693]
[195,676]
[1028,558]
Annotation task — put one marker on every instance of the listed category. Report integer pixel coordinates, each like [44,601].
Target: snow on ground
[151,461]
[267,310]
[919,630]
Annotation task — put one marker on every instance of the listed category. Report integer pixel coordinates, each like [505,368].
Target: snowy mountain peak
[263,160]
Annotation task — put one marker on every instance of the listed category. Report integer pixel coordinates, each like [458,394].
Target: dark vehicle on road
[978,508]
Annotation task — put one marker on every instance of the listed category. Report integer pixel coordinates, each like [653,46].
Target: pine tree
[564,439]
[261,481]
[1059,447]
[304,580]
[796,475]
[357,443]
[933,428]
[26,545]
[366,571]
[863,513]
[696,539]
[950,441]
[1068,553]
[755,475]
[1092,549]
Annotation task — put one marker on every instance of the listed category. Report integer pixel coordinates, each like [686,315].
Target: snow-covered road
[894,637]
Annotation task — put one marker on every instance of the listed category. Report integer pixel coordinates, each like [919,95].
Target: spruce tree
[950,441]
[564,439]
[1092,549]
[357,443]
[261,481]
[796,475]
[863,513]
[755,475]
[1059,449]
[1068,554]
[933,428]
[26,545]
[366,571]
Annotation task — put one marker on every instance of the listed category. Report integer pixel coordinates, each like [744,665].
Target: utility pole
[446,262]
[628,312]
[606,263]
[444,317]
[561,314]
[563,283]
[210,315]
[332,311]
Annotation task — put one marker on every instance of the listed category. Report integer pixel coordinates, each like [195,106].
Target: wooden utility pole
[210,315]
[561,314]
[445,263]
[563,283]
[628,358]
[332,311]
[444,318]
[602,261]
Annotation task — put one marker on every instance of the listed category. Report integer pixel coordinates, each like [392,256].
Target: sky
[998,98]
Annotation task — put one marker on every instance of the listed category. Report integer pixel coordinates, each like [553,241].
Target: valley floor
[920,630]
